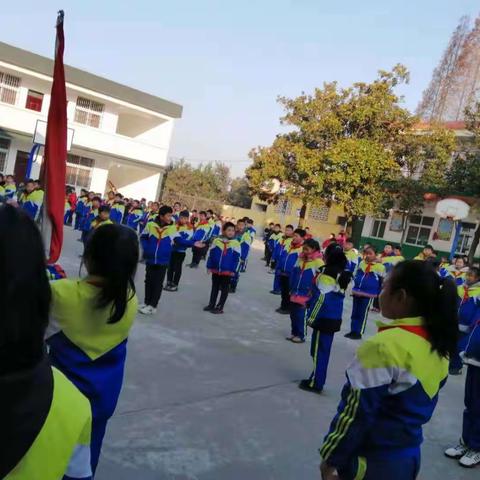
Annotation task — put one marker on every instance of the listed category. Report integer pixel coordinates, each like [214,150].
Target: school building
[118,136]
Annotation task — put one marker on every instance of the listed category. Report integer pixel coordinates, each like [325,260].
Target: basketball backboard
[41,133]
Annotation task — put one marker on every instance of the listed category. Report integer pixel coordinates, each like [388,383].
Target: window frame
[319,213]
[79,167]
[4,151]
[420,223]
[85,113]
[28,98]
[380,224]
[9,88]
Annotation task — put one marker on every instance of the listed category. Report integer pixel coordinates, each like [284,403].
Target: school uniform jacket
[32,203]
[353,259]
[367,280]
[325,308]
[216,229]
[302,278]
[245,241]
[280,249]
[117,212]
[202,232]
[390,261]
[90,351]
[134,217]
[273,240]
[469,306]
[157,243]
[224,256]
[391,392]
[99,223]
[10,191]
[457,275]
[90,216]
[289,258]
[471,356]
[46,426]
[184,239]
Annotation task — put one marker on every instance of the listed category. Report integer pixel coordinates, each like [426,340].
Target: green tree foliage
[239,194]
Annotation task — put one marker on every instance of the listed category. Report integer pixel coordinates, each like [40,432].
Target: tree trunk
[474,245]
[303,212]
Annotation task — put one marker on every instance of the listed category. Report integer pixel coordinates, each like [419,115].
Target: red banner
[56,149]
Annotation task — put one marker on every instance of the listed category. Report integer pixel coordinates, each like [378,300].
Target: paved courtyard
[214,397]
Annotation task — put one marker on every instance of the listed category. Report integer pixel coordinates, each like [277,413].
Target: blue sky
[226,61]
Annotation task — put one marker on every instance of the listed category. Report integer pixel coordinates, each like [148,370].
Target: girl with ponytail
[393,383]
[90,322]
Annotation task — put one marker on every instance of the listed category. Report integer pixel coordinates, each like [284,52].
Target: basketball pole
[456,238]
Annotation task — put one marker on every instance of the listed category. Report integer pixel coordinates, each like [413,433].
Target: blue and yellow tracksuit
[252,231]
[245,241]
[471,415]
[391,392]
[285,265]
[90,351]
[367,283]
[49,427]
[468,315]
[99,223]
[301,287]
[224,256]
[216,229]
[184,238]
[157,243]
[353,259]
[10,191]
[273,241]
[32,203]
[117,211]
[79,211]
[2,193]
[202,231]
[90,215]
[458,276]
[324,316]
[134,217]
[273,244]
[390,261]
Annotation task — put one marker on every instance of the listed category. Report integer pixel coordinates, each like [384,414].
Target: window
[4,147]
[79,171]
[34,101]
[419,229]
[466,236]
[88,112]
[284,207]
[9,85]
[378,228]
[319,213]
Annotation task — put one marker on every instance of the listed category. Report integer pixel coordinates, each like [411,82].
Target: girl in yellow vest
[45,421]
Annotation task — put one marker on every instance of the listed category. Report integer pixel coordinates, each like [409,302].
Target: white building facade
[121,136]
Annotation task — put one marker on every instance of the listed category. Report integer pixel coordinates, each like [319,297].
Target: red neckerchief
[160,230]
[203,223]
[415,329]
[466,295]
[369,268]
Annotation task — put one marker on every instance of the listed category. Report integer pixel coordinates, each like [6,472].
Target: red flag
[56,150]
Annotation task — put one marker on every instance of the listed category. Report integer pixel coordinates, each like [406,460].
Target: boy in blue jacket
[90,214]
[301,288]
[468,315]
[157,243]
[202,234]
[245,240]
[286,263]
[80,209]
[134,215]
[279,249]
[366,287]
[222,263]
[118,209]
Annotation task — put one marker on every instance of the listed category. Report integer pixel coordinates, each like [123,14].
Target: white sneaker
[458,451]
[148,310]
[470,459]
[141,306]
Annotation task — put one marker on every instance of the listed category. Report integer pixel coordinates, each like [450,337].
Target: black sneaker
[281,311]
[171,288]
[353,336]
[305,385]
[217,311]
[273,292]
[193,265]
[233,289]
[454,371]
[208,308]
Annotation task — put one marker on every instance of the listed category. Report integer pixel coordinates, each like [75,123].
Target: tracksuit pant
[235,278]
[405,466]
[276,282]
[78,221]
[175,268]
[471,415]
[456,362]
[285,291]
[320,349]
[197,254]
[360,309]
[220,283]
[267,253]
[298,320]
[154,278]
[99,425]
[68,217]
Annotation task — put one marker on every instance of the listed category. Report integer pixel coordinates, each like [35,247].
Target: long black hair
[336,264]
[24,291]
[111,253]
[435,300]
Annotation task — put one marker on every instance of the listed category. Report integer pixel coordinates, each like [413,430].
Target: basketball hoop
[271,186]
[40,134]
[452,208]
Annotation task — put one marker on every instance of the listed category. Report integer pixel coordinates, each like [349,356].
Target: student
[70,205]
[367,285]
[301,287]
[103,217]
[217,228]
[426,254]
[245,240]
[202,233]
[324,314]
[352,255]
[457,271]
[393,382]
[222,263]
[468,449]
[183,241]
[90,322]
[391,258]
[279,252]
[10,188]
[157,242]
[287,262]
[134,215]
[194,218]
[152,214]
[91,213]
[118,209]
[328,241]
[79,209]
[32,200]
[111,197]
[177,208]
[341,238]
[2,187]
[273,237]
[251,228]
[468,315]
[45,420]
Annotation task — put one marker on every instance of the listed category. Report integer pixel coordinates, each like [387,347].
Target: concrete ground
[215,397]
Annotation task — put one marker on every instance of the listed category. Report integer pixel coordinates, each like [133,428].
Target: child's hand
[328,472]
[199,244]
